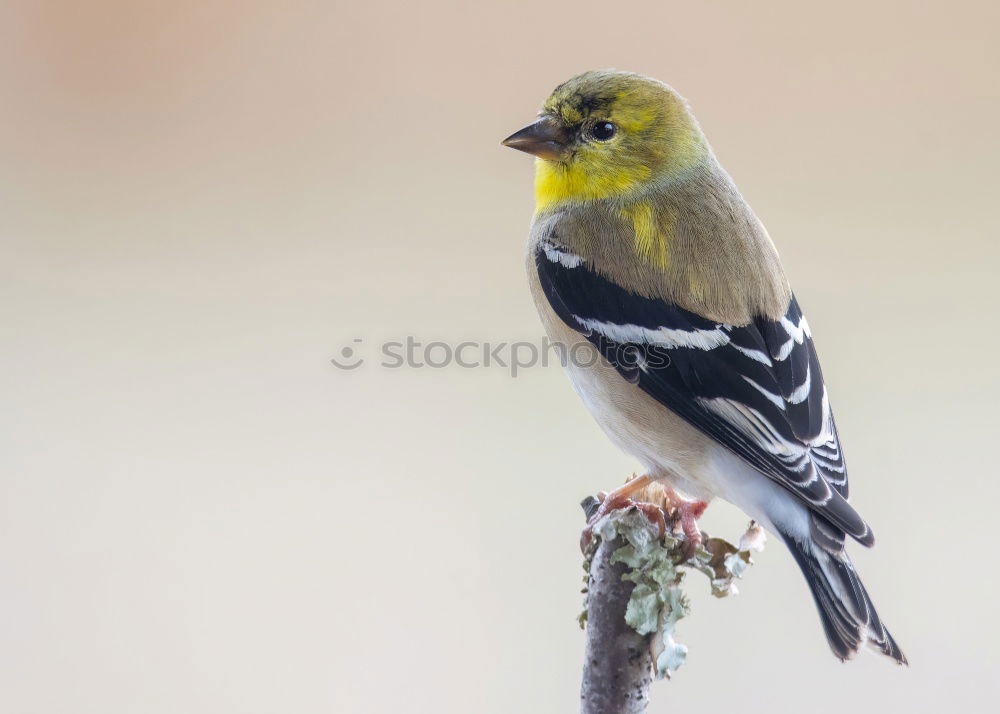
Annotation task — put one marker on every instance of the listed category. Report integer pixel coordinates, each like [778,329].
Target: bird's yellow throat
[558,183]
[577,182]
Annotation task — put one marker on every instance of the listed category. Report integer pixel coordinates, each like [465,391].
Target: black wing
[756,389]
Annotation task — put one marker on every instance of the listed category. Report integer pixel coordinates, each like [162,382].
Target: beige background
[203,202]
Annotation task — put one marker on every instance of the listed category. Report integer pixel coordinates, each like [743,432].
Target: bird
[642,249]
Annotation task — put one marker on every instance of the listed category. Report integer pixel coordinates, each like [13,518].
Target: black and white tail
[848,615]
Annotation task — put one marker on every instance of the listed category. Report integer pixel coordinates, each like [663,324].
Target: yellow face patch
[654,134]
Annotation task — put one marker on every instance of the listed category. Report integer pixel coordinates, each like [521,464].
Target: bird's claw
[686,514]
[689,548]
[653,512]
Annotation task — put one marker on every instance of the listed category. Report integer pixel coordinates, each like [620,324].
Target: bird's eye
[603,130]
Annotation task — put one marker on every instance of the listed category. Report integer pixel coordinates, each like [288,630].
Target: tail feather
[848,615]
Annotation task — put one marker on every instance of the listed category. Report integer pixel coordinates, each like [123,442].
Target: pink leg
[686,514]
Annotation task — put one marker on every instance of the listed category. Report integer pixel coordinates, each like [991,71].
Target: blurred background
[205,202]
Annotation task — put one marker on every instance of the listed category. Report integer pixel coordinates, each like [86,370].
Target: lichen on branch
[655,565]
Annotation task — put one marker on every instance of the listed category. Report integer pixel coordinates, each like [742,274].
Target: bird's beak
[546,138]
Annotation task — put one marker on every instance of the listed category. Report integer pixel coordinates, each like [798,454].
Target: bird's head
[608,134]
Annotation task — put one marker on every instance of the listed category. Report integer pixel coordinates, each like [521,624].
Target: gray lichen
[654,565]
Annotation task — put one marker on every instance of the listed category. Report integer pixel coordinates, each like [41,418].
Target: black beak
[545,138]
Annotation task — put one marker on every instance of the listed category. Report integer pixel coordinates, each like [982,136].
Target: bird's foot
[621,498]
[685,514]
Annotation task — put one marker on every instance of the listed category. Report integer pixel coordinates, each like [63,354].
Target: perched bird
[642,247]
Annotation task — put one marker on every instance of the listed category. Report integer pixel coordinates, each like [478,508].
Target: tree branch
[634,600]
[618,668]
